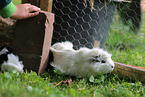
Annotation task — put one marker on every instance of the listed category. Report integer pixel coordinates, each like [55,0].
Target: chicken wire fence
[114,25]
[109,24]
[77,22]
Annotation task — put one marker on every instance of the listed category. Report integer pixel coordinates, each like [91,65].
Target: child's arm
[17,12]
[7,8]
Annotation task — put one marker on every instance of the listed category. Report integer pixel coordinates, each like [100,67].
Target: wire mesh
[77,22]
[113,25]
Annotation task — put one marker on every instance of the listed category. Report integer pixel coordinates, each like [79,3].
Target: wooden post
[129,71]
[43,4]
[33,37]
[46,5]
[34,2]
[33,40]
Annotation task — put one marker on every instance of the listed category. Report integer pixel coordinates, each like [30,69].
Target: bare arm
[24,11]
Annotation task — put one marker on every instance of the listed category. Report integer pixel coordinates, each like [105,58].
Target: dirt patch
[6,31]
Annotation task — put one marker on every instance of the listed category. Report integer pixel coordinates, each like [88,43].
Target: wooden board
[43,4]
[47,42]
[33,39]
[33,2]
[130,71]
[46,5]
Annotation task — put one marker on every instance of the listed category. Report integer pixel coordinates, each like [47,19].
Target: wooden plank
[47,42]
[31,40]
[25,1]
[96,43]
[130,71]
[33,2]
[50,3]
[46,5]
[43,4]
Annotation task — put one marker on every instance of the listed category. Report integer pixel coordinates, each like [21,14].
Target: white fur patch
[3,51]
[81,63]
[13,63]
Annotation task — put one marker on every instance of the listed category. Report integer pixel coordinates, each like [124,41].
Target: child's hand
[24,11]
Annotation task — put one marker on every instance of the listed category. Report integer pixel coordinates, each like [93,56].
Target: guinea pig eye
[97,60]
[96,57]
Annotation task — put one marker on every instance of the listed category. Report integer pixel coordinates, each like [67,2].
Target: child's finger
[34,8]
[33,14]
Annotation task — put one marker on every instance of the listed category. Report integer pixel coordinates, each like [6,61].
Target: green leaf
[7,75]
[29,88]
[91,79]
[97,81]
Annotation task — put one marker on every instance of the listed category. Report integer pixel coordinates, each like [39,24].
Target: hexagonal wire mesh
[75,21]
[86,25]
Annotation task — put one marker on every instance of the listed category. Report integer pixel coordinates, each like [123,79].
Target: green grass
[125,46]
[30,84]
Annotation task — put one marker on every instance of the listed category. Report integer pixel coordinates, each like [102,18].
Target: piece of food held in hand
[81,63]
